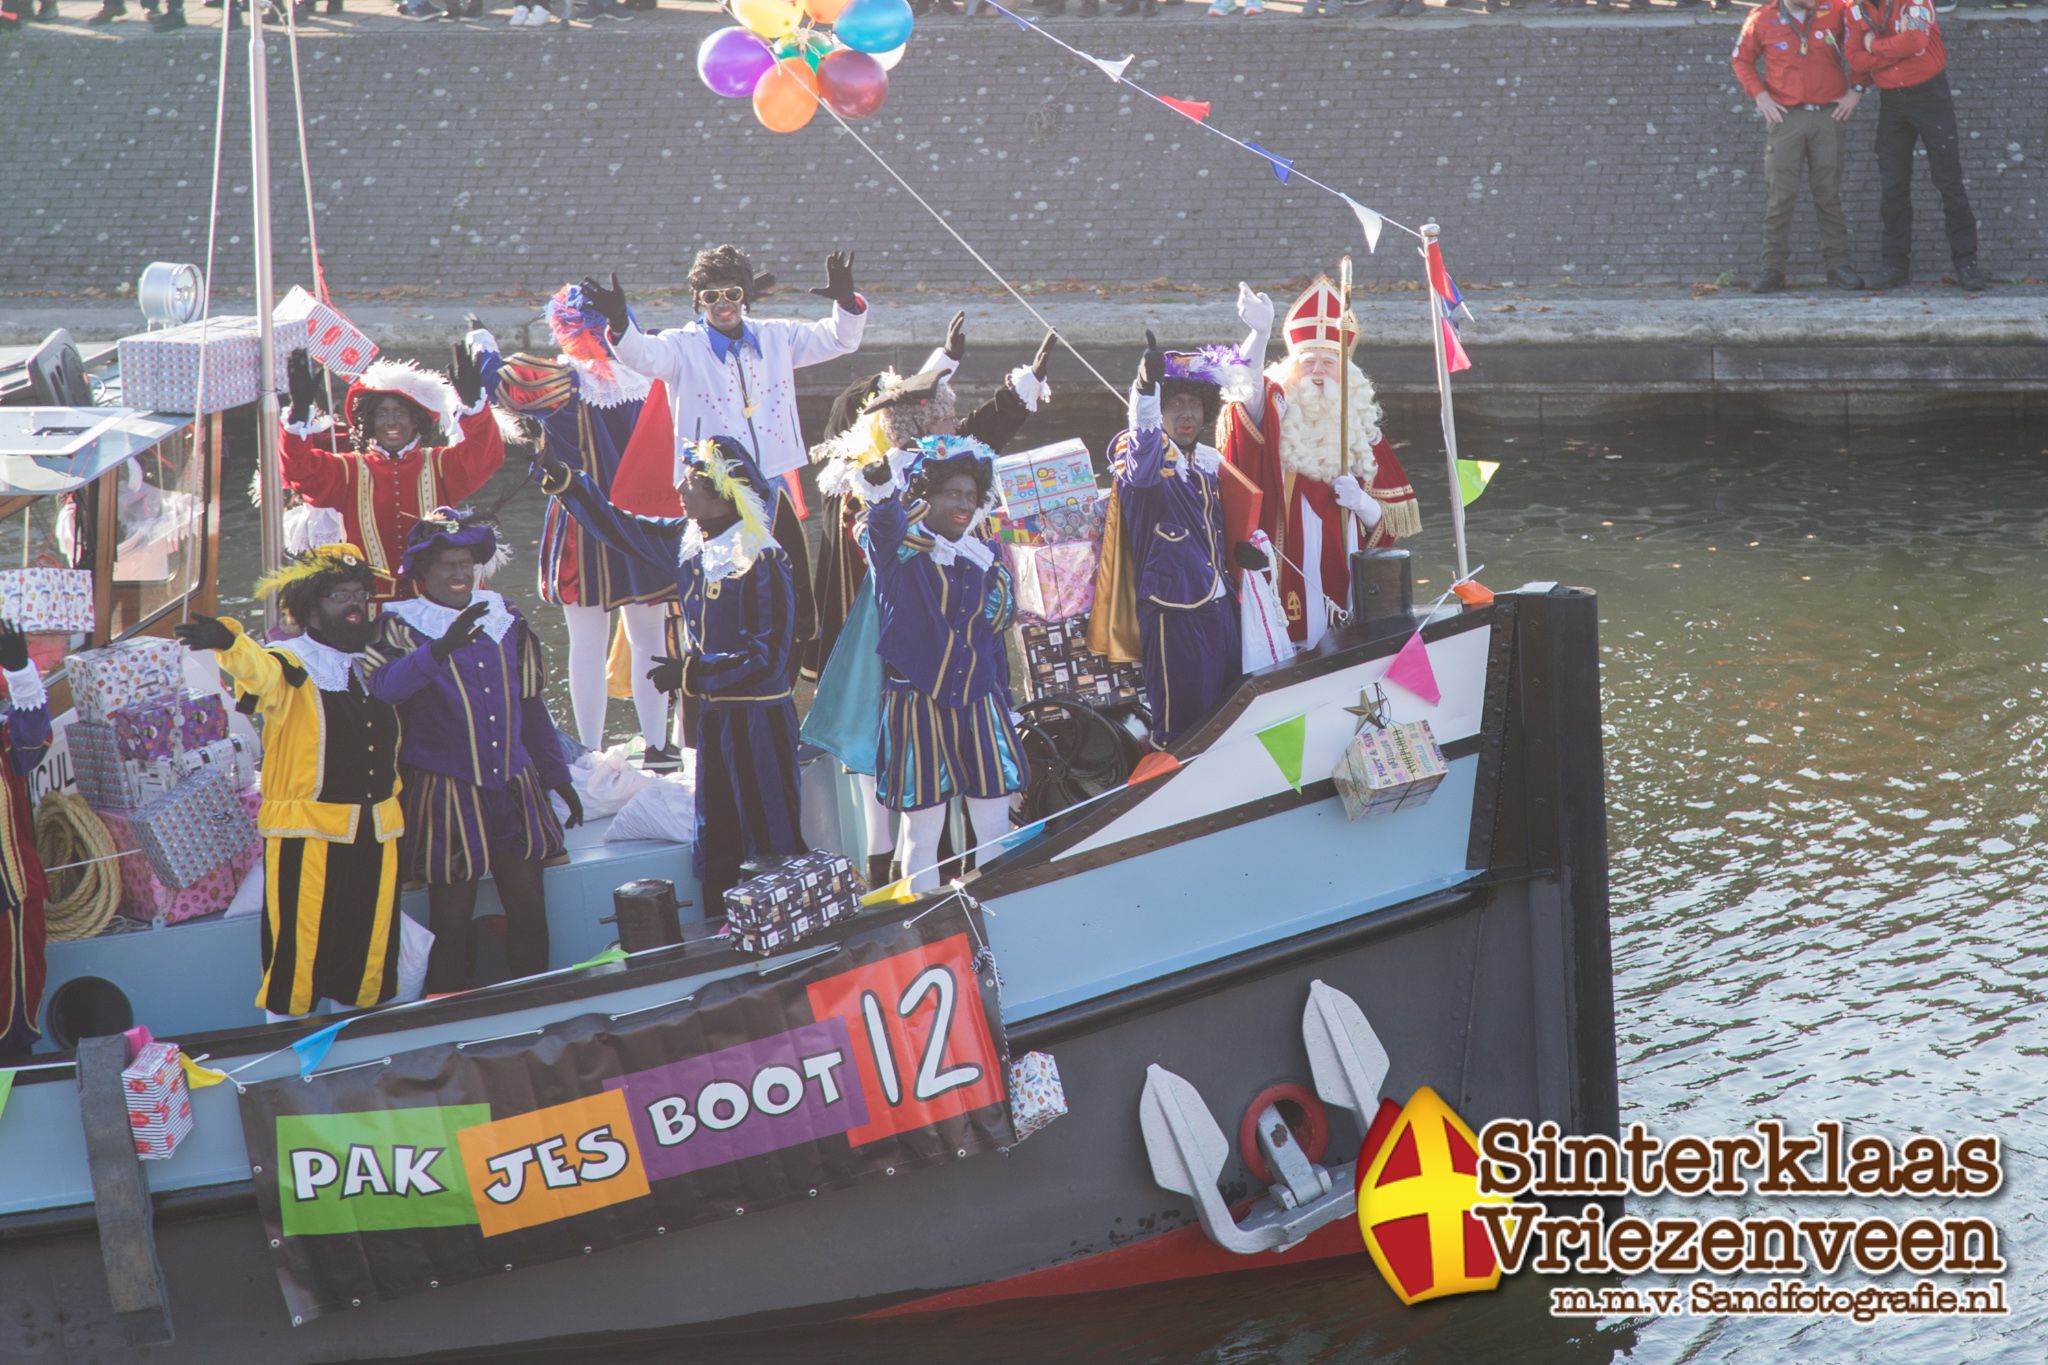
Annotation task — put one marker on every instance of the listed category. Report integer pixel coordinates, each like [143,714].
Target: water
[1827,725]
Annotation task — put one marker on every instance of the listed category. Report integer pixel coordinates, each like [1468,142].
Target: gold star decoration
[1371,708]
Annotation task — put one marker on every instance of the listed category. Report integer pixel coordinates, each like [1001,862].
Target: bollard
[645,913]
[1382,593]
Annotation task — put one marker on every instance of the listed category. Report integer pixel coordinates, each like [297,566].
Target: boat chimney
[645,913]
[1382,593]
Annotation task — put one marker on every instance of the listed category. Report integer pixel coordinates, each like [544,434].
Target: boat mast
[272,511]
[1450,420]
[1344,394]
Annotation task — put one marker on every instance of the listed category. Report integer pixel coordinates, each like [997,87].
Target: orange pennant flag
[1472,592]
[1158,763]
[1194,109]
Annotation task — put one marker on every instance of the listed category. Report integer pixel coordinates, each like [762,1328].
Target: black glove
[203,633]
[667,674]
[461,631]
[839,282]
[1043,359]
[956,337]
[610,302]
[1249,556]
[13,648]
[552,475]
[573,802]
[303,384]
[465,376]
[1151,365]
[877,473]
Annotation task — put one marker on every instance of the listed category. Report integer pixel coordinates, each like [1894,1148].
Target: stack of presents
[176,791]
[1050,527]
[160,370]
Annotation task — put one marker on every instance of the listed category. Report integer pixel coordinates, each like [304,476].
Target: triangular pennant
[1158,763]
[1017,838]
[1439,278]
[1455,358]
[1473,476]
[312,1048]
[1112,69]
[1368,220]
[1286,742]
[1410,670]
[6,1084]
[645,483]
[794,484]
[1194,109]
[895,893]
[198,1077]
[1282,166]
[604,959]
[1473,593]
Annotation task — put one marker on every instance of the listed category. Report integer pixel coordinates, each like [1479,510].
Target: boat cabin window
[46,533]
[159,531]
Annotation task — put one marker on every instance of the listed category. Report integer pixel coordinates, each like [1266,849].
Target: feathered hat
[457,528]
[434,397]
[730,470]
[337,559]
[874,415]
[1222,368]
[1317,322]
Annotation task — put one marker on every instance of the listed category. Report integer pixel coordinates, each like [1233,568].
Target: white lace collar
[327,666]
[975,551]
[1208,459]
[432,620]
[625,386]
[726,555]
[377,448]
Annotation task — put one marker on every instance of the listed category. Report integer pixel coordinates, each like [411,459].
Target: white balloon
[891,57]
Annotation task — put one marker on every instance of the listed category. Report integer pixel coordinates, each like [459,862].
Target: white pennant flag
[1368,220]
[1114,70]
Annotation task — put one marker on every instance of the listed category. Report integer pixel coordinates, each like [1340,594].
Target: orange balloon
[787,97]
[824,11]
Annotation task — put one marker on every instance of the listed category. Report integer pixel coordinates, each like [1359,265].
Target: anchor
[1188,1151]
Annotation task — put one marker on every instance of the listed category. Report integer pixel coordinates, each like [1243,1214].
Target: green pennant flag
[610,955]
[1473,476]
[1285,742]
[6,1084]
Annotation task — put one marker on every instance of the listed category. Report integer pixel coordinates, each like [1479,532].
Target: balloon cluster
[786,55]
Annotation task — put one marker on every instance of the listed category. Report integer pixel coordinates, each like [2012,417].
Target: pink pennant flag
[1194,109]
[1411,672]
[1455,358]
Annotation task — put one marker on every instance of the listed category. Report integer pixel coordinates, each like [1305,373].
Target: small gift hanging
[159,1101]
[1036,1096]
[1387,767]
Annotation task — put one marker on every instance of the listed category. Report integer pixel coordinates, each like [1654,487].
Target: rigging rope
[71,838]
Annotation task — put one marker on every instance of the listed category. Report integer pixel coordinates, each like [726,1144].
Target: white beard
[1308,425]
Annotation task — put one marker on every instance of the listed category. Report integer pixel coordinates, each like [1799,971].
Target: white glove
[480,342]
[1254,310]
[1352,497]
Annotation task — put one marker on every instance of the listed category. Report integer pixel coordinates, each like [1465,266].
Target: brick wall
[460,161]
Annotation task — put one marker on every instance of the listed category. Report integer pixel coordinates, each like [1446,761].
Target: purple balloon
[732,62]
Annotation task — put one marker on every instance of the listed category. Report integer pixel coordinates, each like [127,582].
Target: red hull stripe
[1184,1254]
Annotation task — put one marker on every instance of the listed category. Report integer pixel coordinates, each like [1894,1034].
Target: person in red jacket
[1896,46]
[418,442]
[1804,95]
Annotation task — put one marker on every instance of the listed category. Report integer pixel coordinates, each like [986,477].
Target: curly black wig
[717,266]
[299,596]
[425,427]
[936,472]
[1211,397]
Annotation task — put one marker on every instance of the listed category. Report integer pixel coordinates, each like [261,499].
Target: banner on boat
[453,1162]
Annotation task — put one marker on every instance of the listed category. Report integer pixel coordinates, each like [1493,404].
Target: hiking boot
[1891,277]
[1769,282]
[1970,276]
[1845,277]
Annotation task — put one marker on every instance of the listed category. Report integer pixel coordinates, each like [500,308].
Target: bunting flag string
[1283,167]
[1194,109]
[1287,741]
[1473,476]
[1455,358]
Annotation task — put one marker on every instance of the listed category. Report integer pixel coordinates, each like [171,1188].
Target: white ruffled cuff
[25,688]
[900,462]
[313,427]
[481,341]
[939,360]
[1029,387]
[1144,411]
[483,400]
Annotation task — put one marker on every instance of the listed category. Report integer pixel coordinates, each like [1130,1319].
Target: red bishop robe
[381,496]
[1255,449]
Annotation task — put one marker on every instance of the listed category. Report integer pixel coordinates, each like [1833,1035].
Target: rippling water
[1827,726]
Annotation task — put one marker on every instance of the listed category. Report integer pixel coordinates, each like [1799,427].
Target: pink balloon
[853,83]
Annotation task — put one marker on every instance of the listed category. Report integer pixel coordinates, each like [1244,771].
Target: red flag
[1455,358]
[1158,763]
[1194,109]
[645,483]
[795,484]
[1439,278]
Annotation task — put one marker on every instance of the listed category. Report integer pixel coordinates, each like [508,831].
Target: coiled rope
[74,840]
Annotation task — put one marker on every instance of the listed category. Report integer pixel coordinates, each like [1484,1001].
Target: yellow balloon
[771,19]
[824,11]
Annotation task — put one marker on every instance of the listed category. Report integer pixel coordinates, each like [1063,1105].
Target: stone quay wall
[487,163]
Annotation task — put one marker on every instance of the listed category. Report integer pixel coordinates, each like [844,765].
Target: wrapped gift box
[141,669]
[52,601]
[105,779]
[1049,476]
[1389,769]
[160,369]
[798,899]
[1036,1097]
[192,829]
[146,897]
[334,342]
[230,756]
[1076,516]
[1058,663]
[1054,582]
[159,1105]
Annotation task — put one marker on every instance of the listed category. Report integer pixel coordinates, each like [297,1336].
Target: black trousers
[1925,113]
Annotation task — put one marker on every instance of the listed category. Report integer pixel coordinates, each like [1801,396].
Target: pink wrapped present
[55,601]
[160,369]
[334,342]
[1054,582]
[159,1104]
[140,669]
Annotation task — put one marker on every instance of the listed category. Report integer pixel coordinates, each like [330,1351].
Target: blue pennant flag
[312,1048]
[1282,166]
[1017,838]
